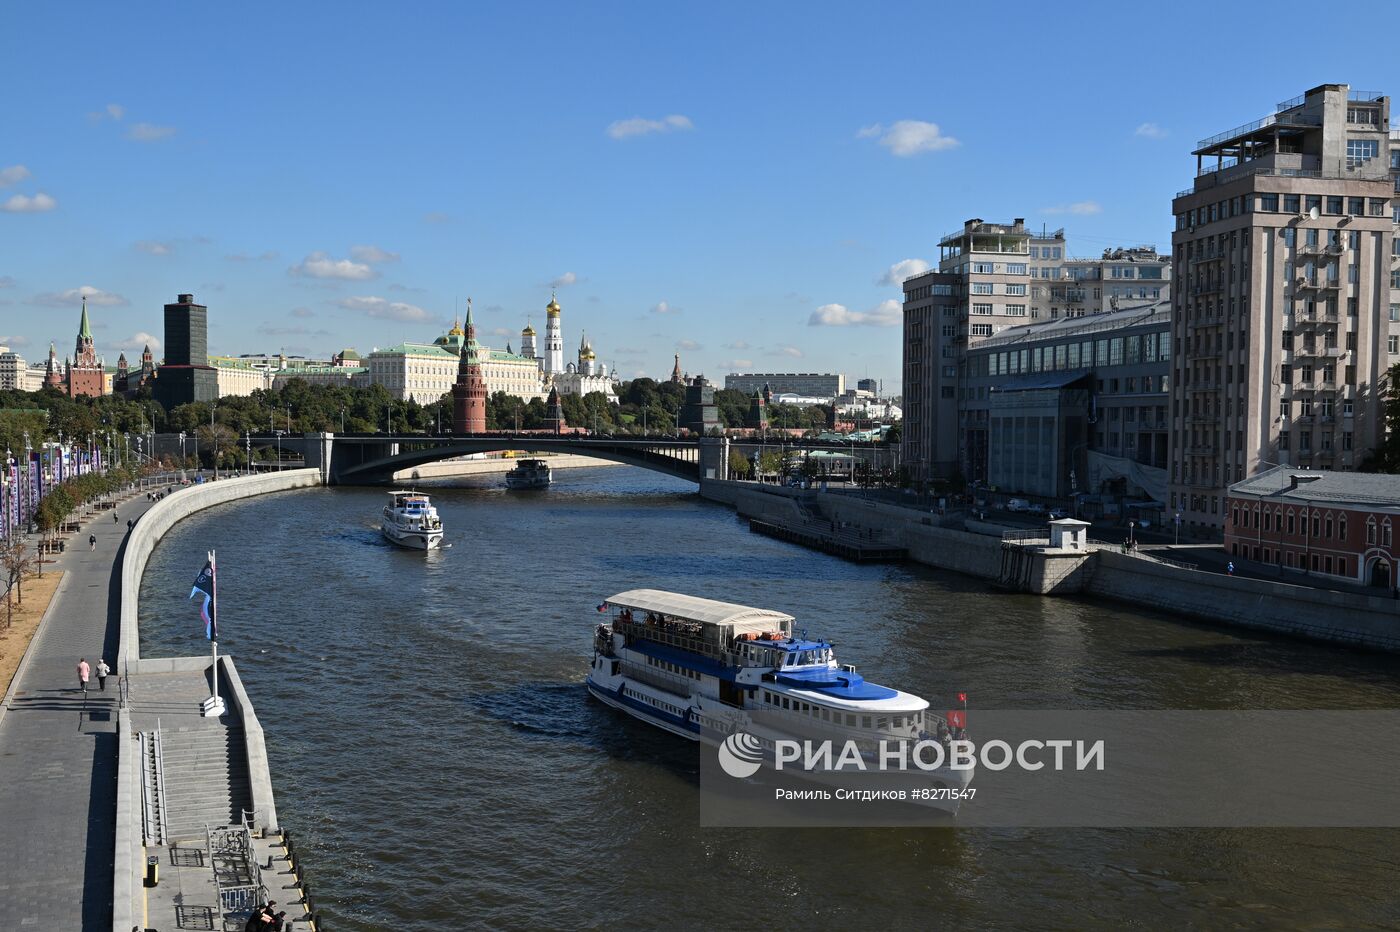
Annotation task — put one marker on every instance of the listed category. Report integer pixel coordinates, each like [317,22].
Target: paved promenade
[58,750]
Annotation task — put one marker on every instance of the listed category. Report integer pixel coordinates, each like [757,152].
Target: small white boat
[529,474]
[717,673]
[411,521]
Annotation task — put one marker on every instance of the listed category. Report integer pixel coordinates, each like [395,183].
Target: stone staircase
[205,779]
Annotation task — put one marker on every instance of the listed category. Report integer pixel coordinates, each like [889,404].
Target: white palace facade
[424,372]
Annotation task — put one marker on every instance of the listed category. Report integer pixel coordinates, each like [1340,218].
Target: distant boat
[411,521]
[529,474]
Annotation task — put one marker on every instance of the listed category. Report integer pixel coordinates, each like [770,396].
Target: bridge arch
[370,460]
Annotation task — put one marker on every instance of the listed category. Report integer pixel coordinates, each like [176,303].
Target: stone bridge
[372,459]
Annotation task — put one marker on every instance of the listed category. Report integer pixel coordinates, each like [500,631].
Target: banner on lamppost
[33,488]
[12,512]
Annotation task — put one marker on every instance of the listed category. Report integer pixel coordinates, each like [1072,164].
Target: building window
[1016,310]
[981,330]
[1267,202]
[1016,268]
[982,288]
[982,309]
[983,268]
[1356,206]
[1360,151]
[1334,204]
[1016,289]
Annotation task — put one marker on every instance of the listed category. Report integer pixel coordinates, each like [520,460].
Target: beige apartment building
[1283,326]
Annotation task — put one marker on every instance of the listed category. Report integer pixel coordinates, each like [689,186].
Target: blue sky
[698,179]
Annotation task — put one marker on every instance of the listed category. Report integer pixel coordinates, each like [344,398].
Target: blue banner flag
[204,584]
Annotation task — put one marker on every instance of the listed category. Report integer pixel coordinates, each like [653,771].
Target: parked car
[1018,504]
[1055,514]
[1035,508]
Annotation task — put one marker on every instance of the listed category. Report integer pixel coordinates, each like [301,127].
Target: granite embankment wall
[1321,614]
[1136,580]
[919,533]
[166,514]
[129,854]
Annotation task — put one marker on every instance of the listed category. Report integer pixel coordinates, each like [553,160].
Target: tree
[739,465]
[18,563]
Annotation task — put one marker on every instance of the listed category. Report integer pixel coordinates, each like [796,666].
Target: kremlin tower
[85,375]
[52,377]
[554,412]
[527,342]
[469,393]
[553,339]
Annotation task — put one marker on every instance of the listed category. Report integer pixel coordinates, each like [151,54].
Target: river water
[437,757]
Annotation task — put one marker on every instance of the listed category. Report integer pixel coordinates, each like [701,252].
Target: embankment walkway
[58,748]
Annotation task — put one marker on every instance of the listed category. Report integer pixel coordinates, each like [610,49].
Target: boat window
[865,721]
[785,702]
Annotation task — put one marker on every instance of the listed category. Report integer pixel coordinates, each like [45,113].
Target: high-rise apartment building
[186,375]
[1283,326]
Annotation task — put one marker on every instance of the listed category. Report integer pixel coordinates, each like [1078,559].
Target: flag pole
[214,625]
[213,707]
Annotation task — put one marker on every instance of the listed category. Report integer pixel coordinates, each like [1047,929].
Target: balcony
[1213,320]
[1203,419]
[1208,288]
[1200,451]
[1303,284]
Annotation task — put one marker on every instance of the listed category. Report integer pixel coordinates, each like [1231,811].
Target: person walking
[84,671]
[92,541]
[102,673]
[115,519]
[129,525]
[1230,568]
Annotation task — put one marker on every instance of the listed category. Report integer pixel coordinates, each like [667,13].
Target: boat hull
[412,540]
[515,482]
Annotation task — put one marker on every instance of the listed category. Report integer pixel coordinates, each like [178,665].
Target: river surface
[437,758]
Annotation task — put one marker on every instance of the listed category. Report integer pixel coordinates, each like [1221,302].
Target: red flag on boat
[957,718]
[962,697]
[602,607]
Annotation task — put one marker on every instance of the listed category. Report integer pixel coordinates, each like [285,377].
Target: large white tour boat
[410,520]
[529,474]
[708,670]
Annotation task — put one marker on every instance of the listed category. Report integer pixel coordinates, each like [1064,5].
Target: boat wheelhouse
[705,670]
[411,521]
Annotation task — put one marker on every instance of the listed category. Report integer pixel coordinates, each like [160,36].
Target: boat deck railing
[676,685]
[671,638]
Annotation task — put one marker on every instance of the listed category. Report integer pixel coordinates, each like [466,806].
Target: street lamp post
[214,438]
[248,449]
[1177,536]
[1131,525]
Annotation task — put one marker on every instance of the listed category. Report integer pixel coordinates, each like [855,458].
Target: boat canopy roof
[738,618]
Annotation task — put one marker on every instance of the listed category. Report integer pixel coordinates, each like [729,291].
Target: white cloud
[640,126]
[372,254]
[791,352]
[885,314]
[19,204]
[14,341]
[138,341]
[897,273]
[737,364]
[260,257]
[1150,131]
[116,111]
[155,249]
[95,297]
[302,312]
[909,137]
[6,281]
[149,132]
[737,344]
[384,309]
[662,307]
[320,265]
[688,346]
[13,175]
[1078,208]
[568,278]
[502,332]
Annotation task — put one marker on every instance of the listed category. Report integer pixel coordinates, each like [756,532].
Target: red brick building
[1338,524]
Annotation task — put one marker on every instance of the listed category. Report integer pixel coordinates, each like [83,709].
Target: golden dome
[456,330]
[528,331]
[552,308]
